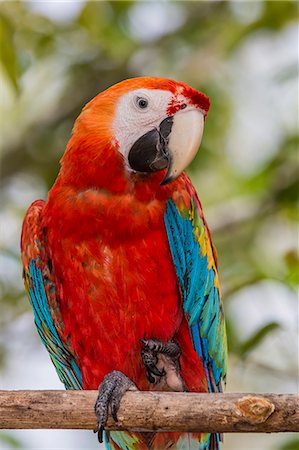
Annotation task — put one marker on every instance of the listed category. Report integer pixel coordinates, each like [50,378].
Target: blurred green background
[55,56]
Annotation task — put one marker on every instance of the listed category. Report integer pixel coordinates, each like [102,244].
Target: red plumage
[115,277]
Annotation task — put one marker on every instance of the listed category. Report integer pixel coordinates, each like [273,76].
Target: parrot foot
[111,390]
[162,362]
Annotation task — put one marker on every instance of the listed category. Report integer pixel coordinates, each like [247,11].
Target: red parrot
[118,262]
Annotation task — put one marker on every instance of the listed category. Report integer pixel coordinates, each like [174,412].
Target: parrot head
[141,125]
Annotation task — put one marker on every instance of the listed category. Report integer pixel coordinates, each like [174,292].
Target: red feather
[115,277]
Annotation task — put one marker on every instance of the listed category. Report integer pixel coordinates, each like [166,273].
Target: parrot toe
[150,361]
[161,361]
[169,348]
[111,390]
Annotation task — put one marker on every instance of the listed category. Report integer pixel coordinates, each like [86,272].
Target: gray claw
[111,390]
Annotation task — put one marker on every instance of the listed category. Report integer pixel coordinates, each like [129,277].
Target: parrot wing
[40,286]
[195,261]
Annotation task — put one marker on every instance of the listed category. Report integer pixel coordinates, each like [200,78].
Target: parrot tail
[123,440]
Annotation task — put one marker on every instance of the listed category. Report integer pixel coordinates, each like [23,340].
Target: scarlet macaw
[118,262]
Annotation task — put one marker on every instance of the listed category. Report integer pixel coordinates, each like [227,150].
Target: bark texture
[153,411]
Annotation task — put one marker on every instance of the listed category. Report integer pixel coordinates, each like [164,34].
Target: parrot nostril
[183,106]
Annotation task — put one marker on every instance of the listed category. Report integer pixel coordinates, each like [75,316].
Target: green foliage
[8,56]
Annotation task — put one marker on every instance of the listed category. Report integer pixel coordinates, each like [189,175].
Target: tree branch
[159,411]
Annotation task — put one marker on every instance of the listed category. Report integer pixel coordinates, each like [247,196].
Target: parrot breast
[116,281]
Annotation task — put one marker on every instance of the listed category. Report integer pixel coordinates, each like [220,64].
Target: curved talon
[114,408]
[154,370]
[111,390]
[154,374]
[150,378]
[100,434]
[150,360]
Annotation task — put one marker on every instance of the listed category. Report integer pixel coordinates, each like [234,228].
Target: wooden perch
[159,411]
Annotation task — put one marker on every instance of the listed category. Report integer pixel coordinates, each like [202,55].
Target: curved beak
[173,145]
[183,142]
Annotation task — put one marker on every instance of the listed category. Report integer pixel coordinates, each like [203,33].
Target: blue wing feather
[201,297]
[40,285]
[64,362]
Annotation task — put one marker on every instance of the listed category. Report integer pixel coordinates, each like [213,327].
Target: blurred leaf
[277,14]
[10,253]
[121,6]
[7,50]
[288,193]
[233,339]
[288,73]
[9,440]
[242,282]
[256,338]
[94,17]
[292,262]
[292,444]
[2,355]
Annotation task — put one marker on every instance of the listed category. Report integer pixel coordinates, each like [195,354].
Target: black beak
[150,152]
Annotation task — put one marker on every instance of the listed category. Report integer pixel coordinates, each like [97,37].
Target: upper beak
[173,145]
[184,140]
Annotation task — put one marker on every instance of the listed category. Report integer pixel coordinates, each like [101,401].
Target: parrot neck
[88,163]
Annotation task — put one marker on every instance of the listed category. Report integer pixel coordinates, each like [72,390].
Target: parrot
[119,264]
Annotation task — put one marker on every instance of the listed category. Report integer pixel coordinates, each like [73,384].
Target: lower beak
[183,142]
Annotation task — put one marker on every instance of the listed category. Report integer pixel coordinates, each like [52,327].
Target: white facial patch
[133,119]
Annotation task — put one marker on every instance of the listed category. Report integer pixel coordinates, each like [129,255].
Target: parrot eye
[141,102]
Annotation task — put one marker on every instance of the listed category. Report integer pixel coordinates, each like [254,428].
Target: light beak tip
[169,176]
[166,180]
